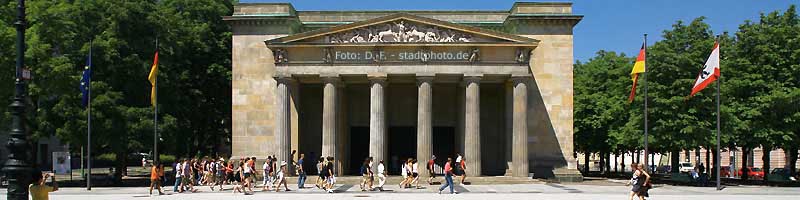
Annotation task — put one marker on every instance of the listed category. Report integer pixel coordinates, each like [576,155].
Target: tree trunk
[586,156]
[616,163]
[765,158]
[675,161]
[792,161]
[120,167]
[745,155]
[622,164]
[637,156]
[602,156]
[608,163]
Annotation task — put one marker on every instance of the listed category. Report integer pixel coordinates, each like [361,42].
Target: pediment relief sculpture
[400,31]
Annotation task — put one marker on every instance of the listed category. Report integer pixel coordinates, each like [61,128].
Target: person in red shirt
[431,172]
[448,176]
[463,165]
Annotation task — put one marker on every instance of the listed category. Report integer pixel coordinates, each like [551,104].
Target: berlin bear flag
[710,71]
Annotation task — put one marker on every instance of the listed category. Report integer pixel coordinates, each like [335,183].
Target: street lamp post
[17,169]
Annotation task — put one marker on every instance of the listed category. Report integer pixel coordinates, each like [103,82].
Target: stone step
[489,180]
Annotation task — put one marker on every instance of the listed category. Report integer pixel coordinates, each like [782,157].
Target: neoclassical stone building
[494,86]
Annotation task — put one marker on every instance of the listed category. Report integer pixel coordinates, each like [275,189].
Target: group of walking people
[640,181]
[242,174]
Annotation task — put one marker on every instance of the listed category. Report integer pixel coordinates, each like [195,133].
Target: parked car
[686,167]
[752,172]
[725,172]
[663,169]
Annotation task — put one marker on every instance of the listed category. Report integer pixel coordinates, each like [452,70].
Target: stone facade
[295,89]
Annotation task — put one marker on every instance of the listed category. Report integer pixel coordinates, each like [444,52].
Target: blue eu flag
[86,79]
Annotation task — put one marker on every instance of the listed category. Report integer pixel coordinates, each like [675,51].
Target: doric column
[520,128]
[424,121]
[377,120]
[329,108]
[282,118]
[472,127]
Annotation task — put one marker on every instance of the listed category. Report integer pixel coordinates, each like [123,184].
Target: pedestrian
[320,173]
[643,191]
[281,177]
[415,174]
[430,167]
[364,175]
[371,174]
[381,175]
[463,166]
[448,176]
[187,176]
[267,174]
[636,181]
[178,169]
[220,176]
[161,176]
[301,172]
[331,179]
[404,171]
[155,179]
[38,189]
[252,178]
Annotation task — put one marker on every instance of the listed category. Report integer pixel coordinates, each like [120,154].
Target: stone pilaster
[283,118]
[377,120]
[520,128]
[329,117]
[424,121]
[472,127]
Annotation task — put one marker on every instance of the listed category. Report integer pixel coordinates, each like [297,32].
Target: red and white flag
[710,71]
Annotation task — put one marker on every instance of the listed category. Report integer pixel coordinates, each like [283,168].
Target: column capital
[471,79]
[377,80]
[285,79]
[423,79]
[519,79]
[335,80]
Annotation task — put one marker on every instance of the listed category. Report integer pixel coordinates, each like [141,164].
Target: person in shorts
[330,178]
[431,164]
[320,173]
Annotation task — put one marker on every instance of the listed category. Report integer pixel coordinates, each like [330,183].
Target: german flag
[638,68]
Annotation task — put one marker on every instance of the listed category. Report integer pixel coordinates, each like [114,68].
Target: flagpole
[717,164]
[89,126]
[155,116]
[644,79]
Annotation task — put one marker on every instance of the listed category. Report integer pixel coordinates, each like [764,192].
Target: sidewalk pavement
[498,191]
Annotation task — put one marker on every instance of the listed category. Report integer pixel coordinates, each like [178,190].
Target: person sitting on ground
[38,189]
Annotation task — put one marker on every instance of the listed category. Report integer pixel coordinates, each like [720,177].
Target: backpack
[363,170]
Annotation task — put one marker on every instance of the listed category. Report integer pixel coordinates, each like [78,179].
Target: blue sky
[615,25]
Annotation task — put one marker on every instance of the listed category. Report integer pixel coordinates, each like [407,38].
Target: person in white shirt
[404,173]
[178,172]
[267,174]
[281,178]
[381,175]
[415,173]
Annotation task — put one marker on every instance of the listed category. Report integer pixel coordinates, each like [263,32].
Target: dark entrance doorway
[402,145]
[444,143]
[359,148]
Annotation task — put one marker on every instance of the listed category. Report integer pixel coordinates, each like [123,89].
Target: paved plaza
[506,191]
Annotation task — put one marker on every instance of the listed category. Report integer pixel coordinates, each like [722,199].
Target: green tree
[194,80]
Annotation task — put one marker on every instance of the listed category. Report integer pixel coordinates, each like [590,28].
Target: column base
[567,175]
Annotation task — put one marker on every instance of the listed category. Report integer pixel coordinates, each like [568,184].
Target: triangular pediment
[402,29]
